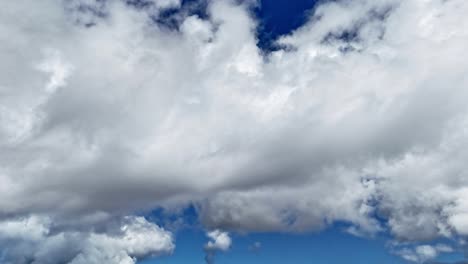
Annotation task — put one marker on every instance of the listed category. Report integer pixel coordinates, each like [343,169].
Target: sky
[233,131]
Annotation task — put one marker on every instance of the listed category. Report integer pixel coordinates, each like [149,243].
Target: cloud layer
[359,117]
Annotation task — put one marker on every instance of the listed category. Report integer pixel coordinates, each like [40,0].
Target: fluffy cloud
[219,241]
[34,240]
[360,114]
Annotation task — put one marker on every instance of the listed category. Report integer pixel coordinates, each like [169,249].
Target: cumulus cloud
[34,240]
[219,241]
[359,116]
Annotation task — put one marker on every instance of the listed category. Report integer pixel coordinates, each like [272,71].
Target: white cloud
[423,253]
[58,70]
[34,240]
[219,240]
[102,110]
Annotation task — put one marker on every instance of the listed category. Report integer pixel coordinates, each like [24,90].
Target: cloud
[34,240]
[219,241]
[423,253]
[360,118]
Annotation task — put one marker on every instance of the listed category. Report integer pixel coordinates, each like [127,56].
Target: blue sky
[327,247]
[332,245]
[280,17]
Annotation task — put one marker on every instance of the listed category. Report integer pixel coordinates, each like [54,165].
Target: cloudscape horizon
[233,131]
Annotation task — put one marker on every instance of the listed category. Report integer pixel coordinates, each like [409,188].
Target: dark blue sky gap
[275,17]
[280,17]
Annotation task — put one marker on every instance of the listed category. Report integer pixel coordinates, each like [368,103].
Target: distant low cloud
[423,253]
[255,247]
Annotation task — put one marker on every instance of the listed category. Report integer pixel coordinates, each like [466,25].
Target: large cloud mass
[360,116]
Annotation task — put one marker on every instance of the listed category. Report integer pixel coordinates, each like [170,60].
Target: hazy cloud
[255,247]
[423,253]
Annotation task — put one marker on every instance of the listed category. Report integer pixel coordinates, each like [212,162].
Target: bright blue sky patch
[331,246]
[280,17]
